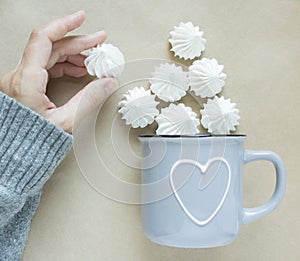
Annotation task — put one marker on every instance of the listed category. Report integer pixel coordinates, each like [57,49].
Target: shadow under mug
[192,193]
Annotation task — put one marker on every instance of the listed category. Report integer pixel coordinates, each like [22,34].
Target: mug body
[192,189]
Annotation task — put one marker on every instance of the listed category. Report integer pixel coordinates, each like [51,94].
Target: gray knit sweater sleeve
[30,149]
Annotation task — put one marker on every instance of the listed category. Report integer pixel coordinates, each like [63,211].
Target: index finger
[58,28]
[39,46]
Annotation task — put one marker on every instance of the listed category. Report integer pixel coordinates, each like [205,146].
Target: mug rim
[203,135]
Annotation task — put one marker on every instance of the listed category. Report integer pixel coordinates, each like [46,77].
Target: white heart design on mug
[203,169]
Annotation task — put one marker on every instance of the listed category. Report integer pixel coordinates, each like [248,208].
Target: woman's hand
[51,54]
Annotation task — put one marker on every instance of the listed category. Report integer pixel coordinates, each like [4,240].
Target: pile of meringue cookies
[169,83]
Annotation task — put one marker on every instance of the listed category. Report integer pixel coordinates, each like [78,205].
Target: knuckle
[37,32]
[58,50]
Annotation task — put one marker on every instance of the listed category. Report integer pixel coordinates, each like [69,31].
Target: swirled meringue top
[219,116]
[206,77]
[187,41]
[177,120]
[138,107]
[169,82]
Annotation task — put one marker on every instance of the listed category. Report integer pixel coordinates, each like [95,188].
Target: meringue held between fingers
[105,60]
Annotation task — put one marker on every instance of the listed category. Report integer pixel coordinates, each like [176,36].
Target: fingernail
[111,86]
[81,12]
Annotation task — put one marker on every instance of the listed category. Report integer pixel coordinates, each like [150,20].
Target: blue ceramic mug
[192,190]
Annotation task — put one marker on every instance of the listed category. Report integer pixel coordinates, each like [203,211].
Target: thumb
[83,103]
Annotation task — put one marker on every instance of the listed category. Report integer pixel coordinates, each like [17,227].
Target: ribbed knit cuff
[30,147]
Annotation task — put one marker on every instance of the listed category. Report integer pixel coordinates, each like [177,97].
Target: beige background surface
[257,41]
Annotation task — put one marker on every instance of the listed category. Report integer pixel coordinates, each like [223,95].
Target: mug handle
[252,214]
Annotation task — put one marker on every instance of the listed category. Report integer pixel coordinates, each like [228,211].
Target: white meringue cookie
[177,120]
[138,107]
[105,60]
[187,41]
[219,116]
[169,82]
[206,77]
